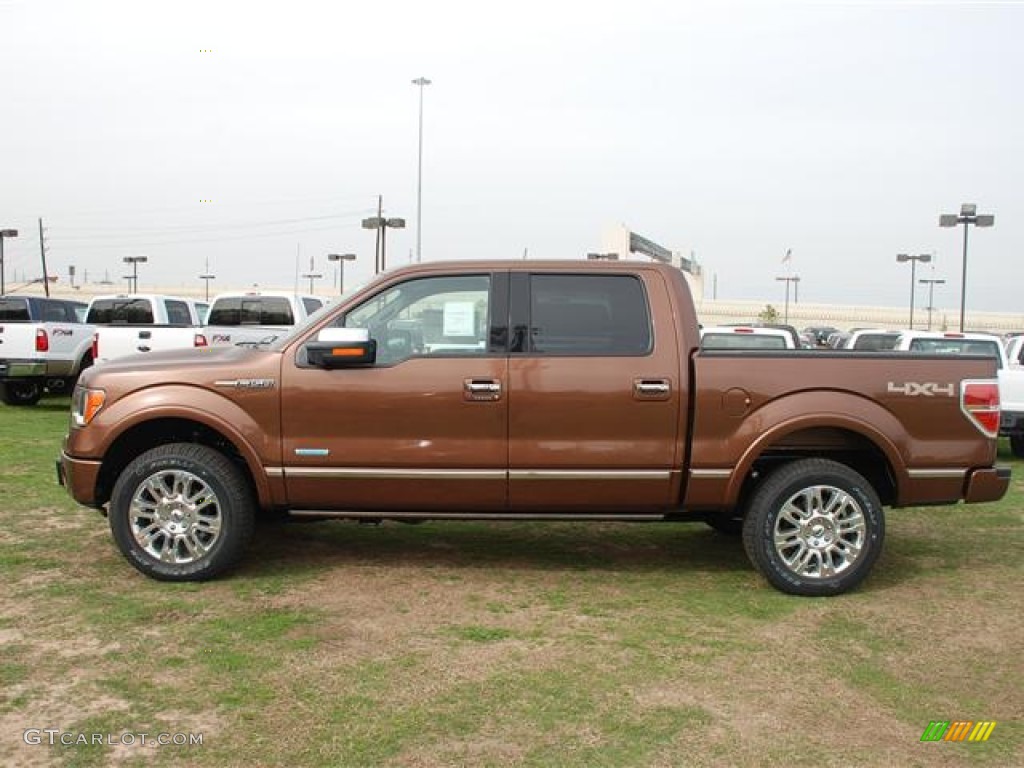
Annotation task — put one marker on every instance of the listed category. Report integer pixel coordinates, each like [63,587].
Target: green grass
[496,645]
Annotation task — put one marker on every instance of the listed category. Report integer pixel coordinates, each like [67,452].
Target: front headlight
[85,404]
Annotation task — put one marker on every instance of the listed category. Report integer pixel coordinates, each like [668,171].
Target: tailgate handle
[652,389]
[481,389]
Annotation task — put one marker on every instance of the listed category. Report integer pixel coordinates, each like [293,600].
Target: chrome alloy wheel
[820,532]
[175,517]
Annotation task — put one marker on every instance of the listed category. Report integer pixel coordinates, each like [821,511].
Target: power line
[106,233]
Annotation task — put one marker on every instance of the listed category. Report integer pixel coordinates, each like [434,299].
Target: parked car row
[1007,352]
[45,343]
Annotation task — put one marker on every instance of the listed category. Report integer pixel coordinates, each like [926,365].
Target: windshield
[957,347]
[127,311]
[742,341]
[13,311]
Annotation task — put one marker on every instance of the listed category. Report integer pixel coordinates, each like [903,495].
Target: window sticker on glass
[459,318]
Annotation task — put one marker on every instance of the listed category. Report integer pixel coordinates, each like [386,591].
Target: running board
[516,516]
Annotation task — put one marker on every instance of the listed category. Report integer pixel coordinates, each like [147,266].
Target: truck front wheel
[814,527]
[181,512]
[21,392]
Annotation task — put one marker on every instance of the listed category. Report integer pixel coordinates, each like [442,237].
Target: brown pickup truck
[529,391]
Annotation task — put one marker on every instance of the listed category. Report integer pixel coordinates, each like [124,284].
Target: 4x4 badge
[922,389]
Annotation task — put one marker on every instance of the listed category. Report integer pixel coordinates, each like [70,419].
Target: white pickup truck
[1015,350]
[745,337]
[139,323]
[257,317]
[1011,377]
[44,345]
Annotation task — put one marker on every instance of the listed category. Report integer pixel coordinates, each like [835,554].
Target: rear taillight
[42,341]
[979,400]
[96,346]
[199,341]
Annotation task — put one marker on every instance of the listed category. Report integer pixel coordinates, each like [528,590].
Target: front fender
[251,423]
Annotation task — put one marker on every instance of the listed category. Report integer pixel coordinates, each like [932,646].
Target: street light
[4,233]
[968,215]
[341,258]
[135,261]
[420,81]
[904,257]
[382,224]
[795,280]
[932,282]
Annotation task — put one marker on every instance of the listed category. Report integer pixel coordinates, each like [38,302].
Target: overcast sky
[736,130]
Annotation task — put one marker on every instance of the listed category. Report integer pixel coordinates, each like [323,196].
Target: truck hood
[185,366]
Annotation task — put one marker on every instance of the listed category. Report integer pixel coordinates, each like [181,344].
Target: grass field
[455,644]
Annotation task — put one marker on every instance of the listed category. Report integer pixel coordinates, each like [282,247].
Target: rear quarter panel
[749,403]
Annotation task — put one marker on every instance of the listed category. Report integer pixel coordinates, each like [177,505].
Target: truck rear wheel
[182,512]
[1017,445]
[814,527]
[21,392]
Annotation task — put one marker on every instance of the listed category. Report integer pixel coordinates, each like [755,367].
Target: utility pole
[42,255]
[207,277]
[312,275]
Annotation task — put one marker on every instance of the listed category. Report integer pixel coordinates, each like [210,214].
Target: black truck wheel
[21,392]
[182,512]
[814,527]
[1017,445]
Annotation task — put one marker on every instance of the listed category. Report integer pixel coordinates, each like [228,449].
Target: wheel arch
[166,429]
[852,442]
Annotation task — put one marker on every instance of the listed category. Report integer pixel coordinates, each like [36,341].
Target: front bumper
[987,484]
[79,476]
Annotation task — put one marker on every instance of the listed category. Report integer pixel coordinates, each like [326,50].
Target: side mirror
[342,348]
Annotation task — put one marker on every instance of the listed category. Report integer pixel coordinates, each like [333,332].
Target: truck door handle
[145,334]
[484,390]
[652,389]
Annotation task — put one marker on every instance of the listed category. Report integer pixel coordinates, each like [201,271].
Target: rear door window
[177,313]
[588,315]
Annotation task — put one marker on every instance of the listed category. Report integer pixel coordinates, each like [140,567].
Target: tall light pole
[341,258]
[932,282]
[4,233]
[795,280]
[421,82]
[968,215]
[135,261]
[904,257]
[382,224]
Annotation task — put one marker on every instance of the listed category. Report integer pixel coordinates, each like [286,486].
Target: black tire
[192,516]
[820,554]
[1017,445]
[21,392]
[725,523]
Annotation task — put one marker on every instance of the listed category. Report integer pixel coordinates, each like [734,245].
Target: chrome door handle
[652,389]
[481,389]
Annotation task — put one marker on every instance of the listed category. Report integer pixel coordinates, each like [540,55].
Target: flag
[788,256]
